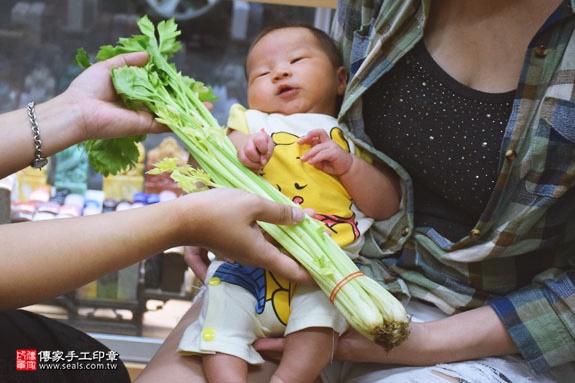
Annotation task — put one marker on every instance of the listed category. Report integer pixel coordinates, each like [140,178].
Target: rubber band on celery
[342,283]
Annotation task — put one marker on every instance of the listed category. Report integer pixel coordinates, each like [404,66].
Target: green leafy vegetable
[82,59]
[177,102]
[115,155]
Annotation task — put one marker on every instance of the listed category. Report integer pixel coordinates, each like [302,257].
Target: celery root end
[390,334]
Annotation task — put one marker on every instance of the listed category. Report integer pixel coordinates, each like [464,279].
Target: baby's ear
[341,74]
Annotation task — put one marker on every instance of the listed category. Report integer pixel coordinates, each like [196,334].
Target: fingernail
[298,215]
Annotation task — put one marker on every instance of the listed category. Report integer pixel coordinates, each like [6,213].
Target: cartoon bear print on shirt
[309,187]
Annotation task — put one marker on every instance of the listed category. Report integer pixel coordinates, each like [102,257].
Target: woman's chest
[482,45]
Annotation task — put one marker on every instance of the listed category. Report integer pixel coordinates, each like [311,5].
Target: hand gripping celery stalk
[177,102]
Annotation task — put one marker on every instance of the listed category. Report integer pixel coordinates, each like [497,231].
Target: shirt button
[475,233]
[208,334]
[214,281]
[541,51]
[510,154]
[405,232]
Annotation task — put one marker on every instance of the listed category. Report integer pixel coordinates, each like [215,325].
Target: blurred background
[39,39]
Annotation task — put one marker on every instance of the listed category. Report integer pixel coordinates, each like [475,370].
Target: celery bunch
[177,102]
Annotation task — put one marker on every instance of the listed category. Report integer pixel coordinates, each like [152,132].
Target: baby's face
[289,72]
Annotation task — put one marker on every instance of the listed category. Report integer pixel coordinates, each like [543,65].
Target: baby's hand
[197,259]
[325,154]
[256,151]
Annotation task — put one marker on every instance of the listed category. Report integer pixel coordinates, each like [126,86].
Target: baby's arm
[374,189]
[254,150]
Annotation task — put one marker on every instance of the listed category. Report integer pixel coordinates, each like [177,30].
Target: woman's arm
[470,335]
[42,259]
[88,109]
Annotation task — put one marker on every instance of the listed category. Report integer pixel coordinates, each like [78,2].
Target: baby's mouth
[284,89]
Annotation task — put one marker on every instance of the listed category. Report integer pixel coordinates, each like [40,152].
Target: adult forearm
[43,259]
[88,109]
[474,334]
[469,335]
[58,122]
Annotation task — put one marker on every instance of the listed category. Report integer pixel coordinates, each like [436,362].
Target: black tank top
[445,134]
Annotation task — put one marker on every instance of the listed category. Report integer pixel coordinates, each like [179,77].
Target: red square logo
[26,360]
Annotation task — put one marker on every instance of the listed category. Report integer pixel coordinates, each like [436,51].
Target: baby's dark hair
[325,41]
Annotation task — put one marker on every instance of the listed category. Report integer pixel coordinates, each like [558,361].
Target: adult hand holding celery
[177,102]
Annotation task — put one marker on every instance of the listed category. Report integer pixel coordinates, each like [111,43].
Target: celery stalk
[177,101]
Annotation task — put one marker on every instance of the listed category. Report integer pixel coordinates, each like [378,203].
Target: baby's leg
[306,354]
[224,368]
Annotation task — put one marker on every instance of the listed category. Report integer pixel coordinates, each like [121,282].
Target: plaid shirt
[520,256]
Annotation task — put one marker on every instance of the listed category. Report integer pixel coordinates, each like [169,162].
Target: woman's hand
[224,221]
[101,112]
[352,347]
[472,334]
[88,109]
[221,220]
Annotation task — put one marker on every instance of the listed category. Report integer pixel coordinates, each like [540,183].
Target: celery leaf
[82,59]
[113,156]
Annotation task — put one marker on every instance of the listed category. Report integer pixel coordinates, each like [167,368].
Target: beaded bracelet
[39,162]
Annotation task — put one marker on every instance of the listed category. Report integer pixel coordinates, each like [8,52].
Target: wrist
[417,350]
[39,161]
[185,213]
[165,225]
[76,122]
[423,343]
[61,124]
[426,345]
[468,335]
[351,165]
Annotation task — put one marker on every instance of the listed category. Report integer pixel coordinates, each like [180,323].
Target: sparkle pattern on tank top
[445,134]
